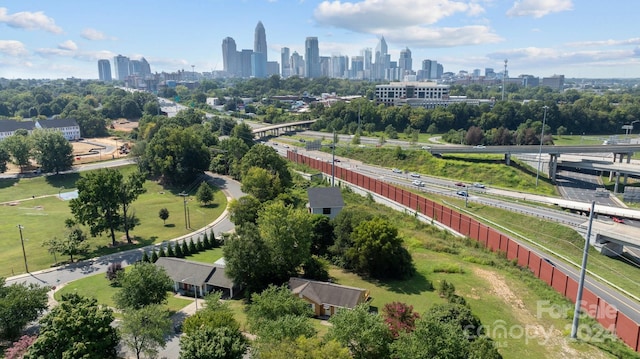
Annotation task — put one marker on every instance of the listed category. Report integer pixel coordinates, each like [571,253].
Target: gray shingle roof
[327,293]
[58,123]
[325,197]
[11,125]
[194,273]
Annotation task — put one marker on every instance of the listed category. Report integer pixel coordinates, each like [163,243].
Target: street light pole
[333,160]
[24,254]
[544,121]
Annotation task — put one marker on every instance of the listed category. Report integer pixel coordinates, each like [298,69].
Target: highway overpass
[276,130]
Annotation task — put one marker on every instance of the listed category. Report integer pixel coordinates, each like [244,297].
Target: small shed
[325,200]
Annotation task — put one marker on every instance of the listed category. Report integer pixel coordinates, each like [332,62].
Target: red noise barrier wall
[596,307]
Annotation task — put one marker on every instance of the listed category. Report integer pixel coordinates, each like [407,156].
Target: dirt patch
[124,125]
[556,342]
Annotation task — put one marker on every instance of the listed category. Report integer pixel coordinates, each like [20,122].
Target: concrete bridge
[276,130]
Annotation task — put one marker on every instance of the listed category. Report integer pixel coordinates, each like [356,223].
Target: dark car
[462,193]
[460,184]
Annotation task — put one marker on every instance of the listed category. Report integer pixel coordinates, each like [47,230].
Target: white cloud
[68,46]
[12,48]
[29,21]
[93,34]
[530,56]
[631,41]
[380,16]
[443,37]
[539,8]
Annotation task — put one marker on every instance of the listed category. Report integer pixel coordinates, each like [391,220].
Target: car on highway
[426,147]
[395,170]
[462,193]
[336,160]
[479,146]
[415,175]
[478,185]
[286,146]
[460,184]
[418,183]
[618,220]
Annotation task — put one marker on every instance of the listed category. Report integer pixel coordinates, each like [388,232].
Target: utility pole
[24,254]
[184,197]
[504,78]
[333,160]
[544,121]
[583,272]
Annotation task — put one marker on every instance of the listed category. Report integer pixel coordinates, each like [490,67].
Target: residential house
[327,298]
[325,200]
[196,277]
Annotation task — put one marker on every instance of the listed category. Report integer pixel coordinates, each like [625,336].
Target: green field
[43,217]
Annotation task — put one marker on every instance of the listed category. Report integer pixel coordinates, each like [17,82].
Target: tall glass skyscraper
[104,70]
[121,67]
[260,47]
[230,58]
[312,58]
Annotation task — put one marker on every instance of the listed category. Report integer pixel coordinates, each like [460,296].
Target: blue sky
[577,38]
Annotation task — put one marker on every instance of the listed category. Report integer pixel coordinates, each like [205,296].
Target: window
[326,211]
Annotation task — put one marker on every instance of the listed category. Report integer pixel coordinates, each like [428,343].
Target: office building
[121,67]
[405,63]
[259,70]
[382,59]
[357,68]
[230,58]
[285,62]
[556,82]
[339,66]
[401,91]
[312,57]
[297,65]
[104,70]
[245,63]
[140,68]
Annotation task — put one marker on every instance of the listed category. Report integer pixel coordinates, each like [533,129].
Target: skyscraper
[285,62]
[405,63]
[259,67]
[297,64]
[104,70]
[382,59]
[312,58]
[230,57]
[121,67]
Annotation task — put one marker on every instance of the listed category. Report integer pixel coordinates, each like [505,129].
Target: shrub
[114,273]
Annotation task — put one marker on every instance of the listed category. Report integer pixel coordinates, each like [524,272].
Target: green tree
[267,158]
[76,328]
[321,235]
[213,343]
[273,303]
[244,210]
[130,190]
[308,348]
[52,151]
[364,333]
[164,215]
[98,201]
[19,305]
[247,258]
[287,233]
[143,285]
[144,330]
[19,146]
[445,341]
[204,194]
[261,184]
[5,158]
[177,155]
[74,243]
[243,132]
[377,251]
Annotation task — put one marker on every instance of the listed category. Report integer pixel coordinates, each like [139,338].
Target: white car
[426,147]
[395,170]
[415,175]
[478,185]
[418,183]
[479,146]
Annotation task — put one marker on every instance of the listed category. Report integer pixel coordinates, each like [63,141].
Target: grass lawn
[43,218]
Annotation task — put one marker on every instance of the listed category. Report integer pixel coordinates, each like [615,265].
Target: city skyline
[43,39]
